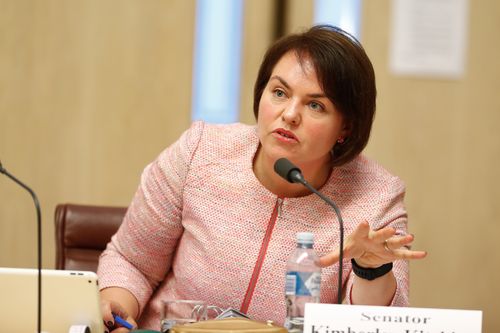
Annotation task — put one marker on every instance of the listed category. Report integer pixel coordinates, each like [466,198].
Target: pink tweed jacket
[202,227]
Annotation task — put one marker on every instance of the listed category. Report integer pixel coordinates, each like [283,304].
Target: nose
[291,114]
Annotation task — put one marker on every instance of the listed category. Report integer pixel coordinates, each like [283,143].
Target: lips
[287,135]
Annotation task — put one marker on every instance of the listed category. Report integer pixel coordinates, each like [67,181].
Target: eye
[316,106]
[279,93]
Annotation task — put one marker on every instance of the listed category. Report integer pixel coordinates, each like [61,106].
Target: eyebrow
[283,82]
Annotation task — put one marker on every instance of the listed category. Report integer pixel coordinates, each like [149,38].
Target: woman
[212,221]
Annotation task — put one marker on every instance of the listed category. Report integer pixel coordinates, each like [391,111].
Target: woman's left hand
[372,248]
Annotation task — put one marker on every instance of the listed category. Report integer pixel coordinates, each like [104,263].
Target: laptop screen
[69,298]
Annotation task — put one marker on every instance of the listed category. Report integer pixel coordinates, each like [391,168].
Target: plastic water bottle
[303,280]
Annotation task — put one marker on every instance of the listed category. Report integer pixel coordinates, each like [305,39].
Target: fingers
[117,328]
[362,230]
[381,235]
[132,321]
[409,255]
[374,248]
[399,241]
[329,259]
[398,246]
[109,308]
[357,243]
[107,316]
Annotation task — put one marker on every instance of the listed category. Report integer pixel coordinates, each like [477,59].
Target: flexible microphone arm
[292,174]
[39,233]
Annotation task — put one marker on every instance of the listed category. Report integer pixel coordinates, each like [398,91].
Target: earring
[340,140]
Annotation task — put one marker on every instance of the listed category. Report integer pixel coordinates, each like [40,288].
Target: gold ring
[386,247]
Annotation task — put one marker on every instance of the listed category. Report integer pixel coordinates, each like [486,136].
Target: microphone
[293,174]
[39,233]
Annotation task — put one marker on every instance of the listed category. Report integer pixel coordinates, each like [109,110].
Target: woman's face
[296,120]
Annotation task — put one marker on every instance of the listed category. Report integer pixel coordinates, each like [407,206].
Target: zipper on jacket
[262,254]
[279,204]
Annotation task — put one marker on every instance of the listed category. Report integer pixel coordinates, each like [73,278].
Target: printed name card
[335,318]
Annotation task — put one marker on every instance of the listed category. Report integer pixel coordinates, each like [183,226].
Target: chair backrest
[82,233]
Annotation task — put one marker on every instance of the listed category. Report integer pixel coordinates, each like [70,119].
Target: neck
[263,168]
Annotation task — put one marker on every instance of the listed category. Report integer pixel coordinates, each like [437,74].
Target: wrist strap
[370,273]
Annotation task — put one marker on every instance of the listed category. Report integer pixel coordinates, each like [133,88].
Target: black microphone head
[287,170]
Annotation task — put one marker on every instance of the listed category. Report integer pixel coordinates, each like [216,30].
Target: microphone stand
[341,231]
[292,174]
[39,235]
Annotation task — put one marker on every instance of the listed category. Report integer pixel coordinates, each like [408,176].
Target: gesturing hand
[372,248]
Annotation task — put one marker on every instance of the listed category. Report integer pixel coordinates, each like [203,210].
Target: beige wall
[92,90]
[441,138]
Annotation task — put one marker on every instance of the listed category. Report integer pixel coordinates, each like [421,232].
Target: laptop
[70,301]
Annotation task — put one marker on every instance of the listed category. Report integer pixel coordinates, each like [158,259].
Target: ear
[346,129]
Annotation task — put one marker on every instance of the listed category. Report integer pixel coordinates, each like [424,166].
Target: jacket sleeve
[389,211]
[140,254]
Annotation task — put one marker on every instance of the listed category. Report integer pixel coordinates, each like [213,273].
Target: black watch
[370,273]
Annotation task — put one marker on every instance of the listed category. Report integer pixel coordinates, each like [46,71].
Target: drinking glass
[181,312]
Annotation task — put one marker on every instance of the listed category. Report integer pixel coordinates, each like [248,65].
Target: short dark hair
[345,74]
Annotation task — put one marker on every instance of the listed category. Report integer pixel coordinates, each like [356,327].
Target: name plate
[335,318]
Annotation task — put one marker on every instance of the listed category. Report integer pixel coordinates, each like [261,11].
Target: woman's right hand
[121,302]
[108,308]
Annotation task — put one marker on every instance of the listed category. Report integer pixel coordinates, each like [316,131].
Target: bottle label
[303,283]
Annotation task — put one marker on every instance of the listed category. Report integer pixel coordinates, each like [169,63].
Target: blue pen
[122,322]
